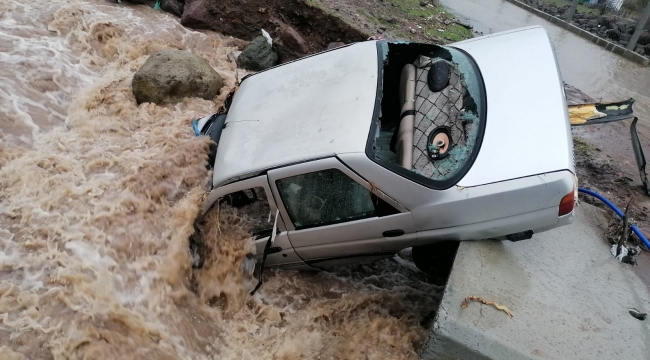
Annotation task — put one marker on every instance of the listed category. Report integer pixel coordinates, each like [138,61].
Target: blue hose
[618,212]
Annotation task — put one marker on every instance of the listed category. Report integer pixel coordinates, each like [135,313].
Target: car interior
[429,121]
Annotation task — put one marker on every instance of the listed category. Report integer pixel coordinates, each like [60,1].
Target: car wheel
[436,259]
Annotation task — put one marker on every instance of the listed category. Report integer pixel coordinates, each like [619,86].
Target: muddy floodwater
[97,201]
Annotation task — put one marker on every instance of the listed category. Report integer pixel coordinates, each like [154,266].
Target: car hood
[527,126]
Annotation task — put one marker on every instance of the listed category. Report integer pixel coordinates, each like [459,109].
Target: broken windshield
[431,120]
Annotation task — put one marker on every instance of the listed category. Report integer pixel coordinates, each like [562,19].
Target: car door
[252,198]
[334,216]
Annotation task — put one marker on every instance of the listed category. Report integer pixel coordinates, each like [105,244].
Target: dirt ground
[605,163]
[415,20]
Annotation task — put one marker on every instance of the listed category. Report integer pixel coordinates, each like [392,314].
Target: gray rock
[626,37]
[169,76]
[593,23]
[640,49]
[258,55]
[647,49]
[614,35]
[623,42]
[293,40]
[622,27]
[334,45]
[630,29]
[603,21]
[172,6]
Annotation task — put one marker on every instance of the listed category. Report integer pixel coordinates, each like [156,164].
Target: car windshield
[432,113]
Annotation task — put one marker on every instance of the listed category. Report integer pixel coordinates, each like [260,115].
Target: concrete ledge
[569,297]
[615,48]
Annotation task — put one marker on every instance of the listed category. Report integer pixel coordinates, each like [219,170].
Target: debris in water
[486,302]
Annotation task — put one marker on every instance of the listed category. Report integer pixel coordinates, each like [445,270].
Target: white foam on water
[98,197]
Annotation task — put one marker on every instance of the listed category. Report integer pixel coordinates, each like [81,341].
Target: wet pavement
[569,297]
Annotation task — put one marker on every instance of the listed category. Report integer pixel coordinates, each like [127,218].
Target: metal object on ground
[600,113]
[638,154]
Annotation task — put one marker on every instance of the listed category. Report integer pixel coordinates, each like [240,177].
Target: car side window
[253,206]
[328,197]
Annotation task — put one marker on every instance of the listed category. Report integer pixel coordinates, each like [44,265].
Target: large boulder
[172,6]
[293,40]
[196,15]
[290,44]
[169,76]
[258,55]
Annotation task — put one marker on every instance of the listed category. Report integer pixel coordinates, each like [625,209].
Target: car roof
[311,108]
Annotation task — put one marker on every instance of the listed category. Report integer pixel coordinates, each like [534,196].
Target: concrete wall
[615,48]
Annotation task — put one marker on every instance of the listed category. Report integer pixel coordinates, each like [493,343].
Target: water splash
[98,198]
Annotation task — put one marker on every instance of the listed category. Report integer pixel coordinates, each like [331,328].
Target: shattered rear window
[446,121]
[432,114]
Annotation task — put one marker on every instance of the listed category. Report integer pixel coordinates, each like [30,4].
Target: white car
[377,146]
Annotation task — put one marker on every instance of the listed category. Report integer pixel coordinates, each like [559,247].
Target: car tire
[436,260]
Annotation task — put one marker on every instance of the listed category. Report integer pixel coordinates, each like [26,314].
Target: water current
[98,198]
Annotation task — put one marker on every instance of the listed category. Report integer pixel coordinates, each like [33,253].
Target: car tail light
[566,205]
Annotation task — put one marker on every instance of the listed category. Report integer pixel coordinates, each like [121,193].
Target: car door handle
[393,233]
[274,249]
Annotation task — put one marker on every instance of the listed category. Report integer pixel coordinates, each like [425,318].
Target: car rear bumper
[538,221]
[537,210]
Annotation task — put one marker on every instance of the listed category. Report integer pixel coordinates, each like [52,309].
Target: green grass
[452,33]
[413,8]
[583,149]
[370,17]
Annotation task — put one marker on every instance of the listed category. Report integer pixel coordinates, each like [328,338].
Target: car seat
[407,115]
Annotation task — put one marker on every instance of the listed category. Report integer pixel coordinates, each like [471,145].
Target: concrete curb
[569,296]
[615,48]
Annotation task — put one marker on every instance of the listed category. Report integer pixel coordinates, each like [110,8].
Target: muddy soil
[414,20]
[318,27]
[605,163]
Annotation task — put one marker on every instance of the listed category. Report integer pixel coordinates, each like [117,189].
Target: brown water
[97,201]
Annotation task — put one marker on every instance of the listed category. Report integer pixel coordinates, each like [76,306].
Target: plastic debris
[486,302]
[637,314]
[267,37]
[157,6]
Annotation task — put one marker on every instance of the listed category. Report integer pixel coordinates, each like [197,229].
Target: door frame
[258,181]
[318,165]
